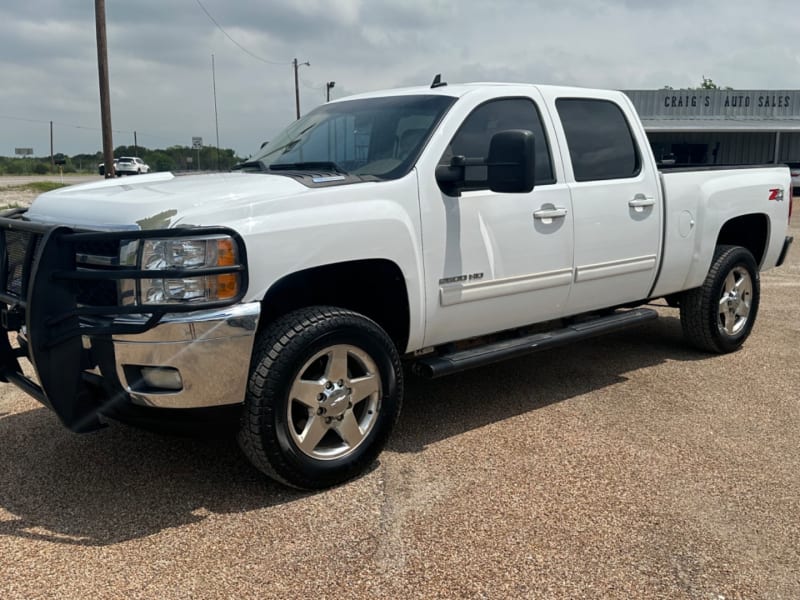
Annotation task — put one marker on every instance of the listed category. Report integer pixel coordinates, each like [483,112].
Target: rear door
[616,201]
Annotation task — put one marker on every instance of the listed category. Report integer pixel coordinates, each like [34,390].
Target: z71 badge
[459,278]
[776,194]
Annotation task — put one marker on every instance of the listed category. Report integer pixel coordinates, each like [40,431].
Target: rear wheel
[719,315]
[325,391]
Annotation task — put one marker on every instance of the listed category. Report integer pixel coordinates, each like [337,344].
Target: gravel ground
[16,197]
[627,467]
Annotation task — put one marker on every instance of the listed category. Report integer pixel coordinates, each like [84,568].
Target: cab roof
[458,90]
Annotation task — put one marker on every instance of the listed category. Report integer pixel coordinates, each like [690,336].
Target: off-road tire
[700,308]
[281,356]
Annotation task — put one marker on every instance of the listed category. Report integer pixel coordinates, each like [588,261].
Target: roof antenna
[437,81]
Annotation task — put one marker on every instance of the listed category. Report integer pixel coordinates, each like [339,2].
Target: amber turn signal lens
[227,286]
[226,253]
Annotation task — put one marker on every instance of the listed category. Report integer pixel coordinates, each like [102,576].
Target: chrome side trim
[615,267]
[232,321]
[456,293]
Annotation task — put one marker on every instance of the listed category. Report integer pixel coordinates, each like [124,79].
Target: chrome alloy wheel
[735,301]
[334,402]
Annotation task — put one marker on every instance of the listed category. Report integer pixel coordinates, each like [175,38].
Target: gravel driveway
[626,467]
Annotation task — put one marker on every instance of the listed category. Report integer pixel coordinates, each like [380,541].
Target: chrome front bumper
[210,349]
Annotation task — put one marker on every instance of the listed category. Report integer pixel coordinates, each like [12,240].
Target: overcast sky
[160,57]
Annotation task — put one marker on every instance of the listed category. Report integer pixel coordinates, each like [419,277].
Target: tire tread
[696,306]
[270,359]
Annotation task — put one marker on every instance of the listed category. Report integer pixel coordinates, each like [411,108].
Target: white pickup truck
[426,226]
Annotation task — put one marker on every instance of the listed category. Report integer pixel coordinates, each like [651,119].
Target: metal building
[724,127]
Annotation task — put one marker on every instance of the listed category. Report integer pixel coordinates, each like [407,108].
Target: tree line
[174,158]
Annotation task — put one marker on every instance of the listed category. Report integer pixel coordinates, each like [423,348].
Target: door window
[473,138]
[601,145]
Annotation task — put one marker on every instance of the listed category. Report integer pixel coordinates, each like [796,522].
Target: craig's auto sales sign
[705,104]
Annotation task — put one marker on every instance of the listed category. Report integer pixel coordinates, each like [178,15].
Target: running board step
[446,364]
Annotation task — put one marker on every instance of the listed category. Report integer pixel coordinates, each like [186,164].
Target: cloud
[160,57]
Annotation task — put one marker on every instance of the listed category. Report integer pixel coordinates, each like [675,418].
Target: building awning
[722,125]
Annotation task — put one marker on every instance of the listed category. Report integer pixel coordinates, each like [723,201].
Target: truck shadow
[121,483]
[442,408]
[118,483]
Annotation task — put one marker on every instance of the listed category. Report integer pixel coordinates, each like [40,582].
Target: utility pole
[296,66]
[52,160]
[135,145]
[328,87]
[105,101]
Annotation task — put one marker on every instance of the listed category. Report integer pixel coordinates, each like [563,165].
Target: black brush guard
[41,283]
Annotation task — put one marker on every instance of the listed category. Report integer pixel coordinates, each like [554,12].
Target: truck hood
[160,200]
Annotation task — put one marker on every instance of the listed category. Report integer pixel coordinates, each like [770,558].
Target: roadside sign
[23,151]
[197,143]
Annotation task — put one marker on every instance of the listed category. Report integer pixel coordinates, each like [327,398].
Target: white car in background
[130,165]
[101,168]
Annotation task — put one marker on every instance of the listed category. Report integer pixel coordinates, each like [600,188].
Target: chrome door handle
[550,213]
[641,202]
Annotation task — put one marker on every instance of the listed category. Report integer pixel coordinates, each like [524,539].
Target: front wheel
[719,315]
[324,393]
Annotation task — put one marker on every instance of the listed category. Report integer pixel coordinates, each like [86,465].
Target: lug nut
[320,411]
[328,385]
[341,382]
[328,420]
[321,397]
[340,417]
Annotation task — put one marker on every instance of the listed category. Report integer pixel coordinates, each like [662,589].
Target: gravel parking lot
[627,467]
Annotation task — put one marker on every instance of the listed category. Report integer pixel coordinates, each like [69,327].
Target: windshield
[381,137]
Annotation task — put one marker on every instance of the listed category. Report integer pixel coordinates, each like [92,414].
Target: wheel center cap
[335,401]
[733,300]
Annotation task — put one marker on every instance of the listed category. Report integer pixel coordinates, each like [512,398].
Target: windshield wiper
[315,165]
[249,164]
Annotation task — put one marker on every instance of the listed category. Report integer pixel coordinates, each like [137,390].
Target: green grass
[36,186]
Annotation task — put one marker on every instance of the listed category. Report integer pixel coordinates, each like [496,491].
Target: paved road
[627,467]
[10,180]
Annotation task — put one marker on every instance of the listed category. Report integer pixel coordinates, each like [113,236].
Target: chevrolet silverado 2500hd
[382,228]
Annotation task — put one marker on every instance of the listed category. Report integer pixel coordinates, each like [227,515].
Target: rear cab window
[600,141]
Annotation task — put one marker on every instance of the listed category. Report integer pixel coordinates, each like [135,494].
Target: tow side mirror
[511,162]
[451,177]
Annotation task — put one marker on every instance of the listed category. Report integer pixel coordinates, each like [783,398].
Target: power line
[59,123]
[86,127]
[23,119]
[242,48]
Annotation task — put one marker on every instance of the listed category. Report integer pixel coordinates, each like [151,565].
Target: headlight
[181,254]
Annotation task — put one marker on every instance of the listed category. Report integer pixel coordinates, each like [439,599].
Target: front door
[495,261]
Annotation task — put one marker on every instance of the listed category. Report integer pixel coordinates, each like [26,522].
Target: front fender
[363,221]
